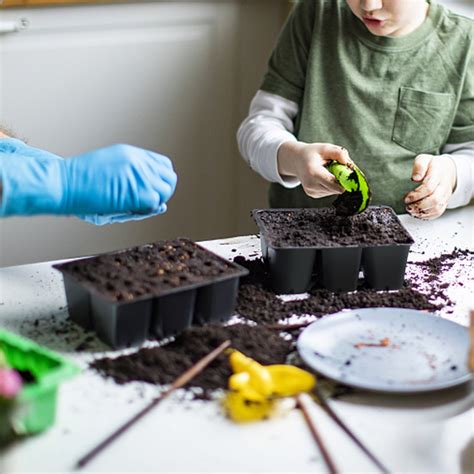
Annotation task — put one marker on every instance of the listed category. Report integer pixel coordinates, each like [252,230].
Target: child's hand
[307,161]
[437,175]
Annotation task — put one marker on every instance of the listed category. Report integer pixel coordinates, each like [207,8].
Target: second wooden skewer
[349,433]
[178,383]
[301,404]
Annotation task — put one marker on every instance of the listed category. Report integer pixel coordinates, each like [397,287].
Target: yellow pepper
[259,377]
[255,388]
[242,409]
[289,380]
[239,381]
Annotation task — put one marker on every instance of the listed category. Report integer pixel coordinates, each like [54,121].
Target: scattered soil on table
[324,228]
[428,278]
[424,290]
[86,344]
[257,302]
[59,334]
[438,265]
[149,270]
[162,365]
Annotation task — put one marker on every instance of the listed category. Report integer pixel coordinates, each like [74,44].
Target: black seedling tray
[374,242]
[155,290]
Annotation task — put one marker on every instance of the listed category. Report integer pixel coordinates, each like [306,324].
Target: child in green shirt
[387,83]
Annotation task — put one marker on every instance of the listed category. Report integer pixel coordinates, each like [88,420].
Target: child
[389,81]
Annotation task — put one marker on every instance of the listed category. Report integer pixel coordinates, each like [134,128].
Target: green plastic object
[36,403]
[355,183]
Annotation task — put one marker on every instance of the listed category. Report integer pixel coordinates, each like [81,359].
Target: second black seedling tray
[155,290]
[306,248]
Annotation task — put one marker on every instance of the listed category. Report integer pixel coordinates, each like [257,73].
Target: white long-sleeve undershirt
[270,123]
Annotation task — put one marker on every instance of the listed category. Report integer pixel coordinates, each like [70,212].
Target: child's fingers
[426,214]
[331,152]
[429,208]
[320,182]
[429,186]
[423,191]
[420,167]
[328,180]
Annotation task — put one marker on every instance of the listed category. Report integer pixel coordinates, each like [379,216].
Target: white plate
[413,351]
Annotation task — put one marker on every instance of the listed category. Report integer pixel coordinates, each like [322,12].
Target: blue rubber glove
[102,219]
[113,184]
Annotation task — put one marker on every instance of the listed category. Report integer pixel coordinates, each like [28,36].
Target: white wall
[175,77]
[464,7]
[254,51]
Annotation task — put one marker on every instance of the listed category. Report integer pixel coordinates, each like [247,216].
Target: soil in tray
[26,376]
[324,228]
[149,270]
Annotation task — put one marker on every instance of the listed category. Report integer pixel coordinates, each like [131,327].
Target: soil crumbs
[261,337]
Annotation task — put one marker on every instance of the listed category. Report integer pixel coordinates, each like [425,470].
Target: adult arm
[3,134]
[113,184]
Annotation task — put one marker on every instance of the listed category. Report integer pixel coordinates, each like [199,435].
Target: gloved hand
[112,184]
[102,219]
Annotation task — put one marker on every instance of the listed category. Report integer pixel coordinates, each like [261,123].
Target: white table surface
[424,433]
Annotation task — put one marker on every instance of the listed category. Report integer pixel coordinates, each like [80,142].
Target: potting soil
[424,290]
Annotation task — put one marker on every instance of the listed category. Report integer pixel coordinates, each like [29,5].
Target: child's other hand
[437,175]
[307,161]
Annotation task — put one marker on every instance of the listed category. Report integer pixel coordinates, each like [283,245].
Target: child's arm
[446,181]
[267,143]
[266,138]
[463,156]
[268,125]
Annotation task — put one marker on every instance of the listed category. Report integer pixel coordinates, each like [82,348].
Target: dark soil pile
[258,303]
[324,228]
[424,290]
[162,365]
[149,270]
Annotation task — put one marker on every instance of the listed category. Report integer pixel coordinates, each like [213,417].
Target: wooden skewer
[182,380]
[288,327]
[351,435]
[316,436]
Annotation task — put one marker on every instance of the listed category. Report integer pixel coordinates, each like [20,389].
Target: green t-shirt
[384,99]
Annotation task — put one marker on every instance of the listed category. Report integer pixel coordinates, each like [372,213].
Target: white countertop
[423,433]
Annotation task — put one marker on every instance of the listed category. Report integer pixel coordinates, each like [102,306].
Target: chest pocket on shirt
[422,119]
